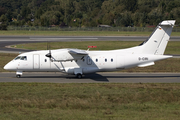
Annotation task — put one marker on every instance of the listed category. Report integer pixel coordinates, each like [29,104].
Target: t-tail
[157,42]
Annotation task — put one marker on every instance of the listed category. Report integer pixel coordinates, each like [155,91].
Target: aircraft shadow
[95,77]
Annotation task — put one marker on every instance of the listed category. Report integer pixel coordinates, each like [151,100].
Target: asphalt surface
[106,77]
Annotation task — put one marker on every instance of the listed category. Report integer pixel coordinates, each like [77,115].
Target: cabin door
[89,61]
[36,62]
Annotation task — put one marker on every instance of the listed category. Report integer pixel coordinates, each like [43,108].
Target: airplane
[80,62]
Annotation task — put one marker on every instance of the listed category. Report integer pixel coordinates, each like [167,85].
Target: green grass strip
[173,47]
[44,101]
[78,33]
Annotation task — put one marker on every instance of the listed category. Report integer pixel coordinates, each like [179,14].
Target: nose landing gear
[19,74]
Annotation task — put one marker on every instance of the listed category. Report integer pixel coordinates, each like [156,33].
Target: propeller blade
[48,55]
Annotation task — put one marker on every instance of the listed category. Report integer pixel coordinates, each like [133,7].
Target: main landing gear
[78,72]
[79,75]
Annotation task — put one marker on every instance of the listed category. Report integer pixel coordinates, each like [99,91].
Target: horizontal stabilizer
[146,64]
[169,22]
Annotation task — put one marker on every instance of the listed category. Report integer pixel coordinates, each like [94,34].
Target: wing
[63,55]
[77,54]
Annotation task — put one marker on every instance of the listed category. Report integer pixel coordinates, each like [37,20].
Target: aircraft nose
[8,67]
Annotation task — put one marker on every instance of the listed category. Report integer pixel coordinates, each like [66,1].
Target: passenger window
[45,60]
[111,60]
[96,60]
[105,60]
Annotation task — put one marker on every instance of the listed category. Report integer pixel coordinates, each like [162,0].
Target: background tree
[3,20]
[88,13]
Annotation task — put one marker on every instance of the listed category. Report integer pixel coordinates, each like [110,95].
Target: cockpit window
[17,58]
[21,58]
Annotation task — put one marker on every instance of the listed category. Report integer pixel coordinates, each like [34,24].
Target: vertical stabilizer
[157,42]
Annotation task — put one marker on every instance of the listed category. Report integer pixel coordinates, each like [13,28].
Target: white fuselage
[95,61]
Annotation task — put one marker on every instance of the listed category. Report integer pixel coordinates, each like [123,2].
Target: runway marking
[44,39]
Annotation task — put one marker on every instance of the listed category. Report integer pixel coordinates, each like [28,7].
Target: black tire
[79,75]
[18,76]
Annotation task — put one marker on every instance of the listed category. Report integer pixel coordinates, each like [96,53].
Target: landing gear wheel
[79,75]
[18,76]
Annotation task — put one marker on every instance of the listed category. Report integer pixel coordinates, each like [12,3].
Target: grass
[46,101]
[5,58]
[78,33]
[73,33]
[172,48]
[101,45]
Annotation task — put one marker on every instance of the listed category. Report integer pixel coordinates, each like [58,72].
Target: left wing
[63,55]
[77,54]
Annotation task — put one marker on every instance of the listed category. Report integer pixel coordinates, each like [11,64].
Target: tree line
[87,13]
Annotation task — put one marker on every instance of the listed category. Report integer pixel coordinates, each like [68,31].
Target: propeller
[49,54]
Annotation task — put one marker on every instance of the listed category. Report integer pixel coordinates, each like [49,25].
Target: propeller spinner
[49,55]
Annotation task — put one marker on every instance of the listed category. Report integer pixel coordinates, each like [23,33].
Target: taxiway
[105,77]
